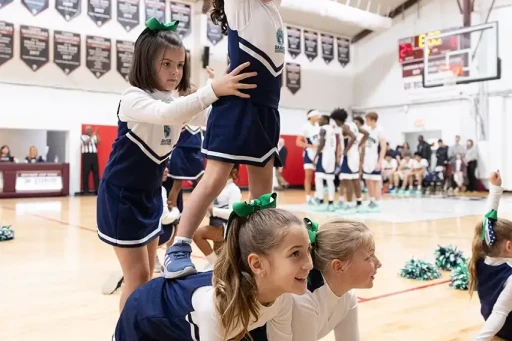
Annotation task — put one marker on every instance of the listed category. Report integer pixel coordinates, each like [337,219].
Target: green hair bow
[245,209]
[154,25]
[488,227]
[312,227]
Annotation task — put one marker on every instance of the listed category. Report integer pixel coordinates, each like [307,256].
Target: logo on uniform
[280,41]
[166,140]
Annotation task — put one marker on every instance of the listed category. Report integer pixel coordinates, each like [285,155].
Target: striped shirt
[91,146]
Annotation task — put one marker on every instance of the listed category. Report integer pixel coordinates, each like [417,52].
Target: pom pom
[6,233]
[460,277]
[421,270]
[447,258]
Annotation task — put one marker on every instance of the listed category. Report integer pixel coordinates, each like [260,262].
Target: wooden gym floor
[52,273]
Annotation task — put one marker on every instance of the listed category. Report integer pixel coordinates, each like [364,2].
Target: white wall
[378,85]
[20,141]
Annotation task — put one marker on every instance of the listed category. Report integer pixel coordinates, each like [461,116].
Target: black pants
[90,164]
[471,175]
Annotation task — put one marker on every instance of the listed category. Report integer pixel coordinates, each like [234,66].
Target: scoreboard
[411,51]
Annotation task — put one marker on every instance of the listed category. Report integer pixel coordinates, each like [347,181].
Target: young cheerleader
[129,203]
[490,267]
[344,259]
[219,214]
[309,142]
[266,256]
[239,130]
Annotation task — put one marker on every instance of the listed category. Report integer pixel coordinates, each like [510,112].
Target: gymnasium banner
[4,3]
[213,32]
[155,8]
[124,57]
[98,51]
[128,14]
[100,11]
[69,9]
[35,6]
[311,44]
[6,41]
[34,46]
[294,41]
[67,51]
[183,13]
[327,47]
[343,51]
[293,77]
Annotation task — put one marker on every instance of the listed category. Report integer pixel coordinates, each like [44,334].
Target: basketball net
[451,74]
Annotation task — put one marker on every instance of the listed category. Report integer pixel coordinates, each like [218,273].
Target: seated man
[403,172]
[389,167]
[418,171]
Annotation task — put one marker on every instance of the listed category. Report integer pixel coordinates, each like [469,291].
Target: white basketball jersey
[329,150]
[312,135]
[353,151]
[372,149]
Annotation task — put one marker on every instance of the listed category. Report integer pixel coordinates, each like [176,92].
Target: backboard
[461,56]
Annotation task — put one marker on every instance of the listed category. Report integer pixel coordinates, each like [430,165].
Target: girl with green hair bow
[265,259]
[344,260]
[490,267]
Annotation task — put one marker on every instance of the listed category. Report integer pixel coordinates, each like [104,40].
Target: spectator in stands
[406,149]
[90,141]
[33,156]
[5,154]
[471,160]
[424,149]
[441,154]
[457,148]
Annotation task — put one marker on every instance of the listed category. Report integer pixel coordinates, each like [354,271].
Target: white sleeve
[200,119]
[235,195]
[280,327]
[493,200]
[305,319]
[500,311]
[348,328]
[139,106]
[210,325]
[238,13]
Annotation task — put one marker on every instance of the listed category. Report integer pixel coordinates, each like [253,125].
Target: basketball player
[325,164]
[402,174]
[309,141]
[241,131]
[374,155]
[389,167]
[349,172]
[418,171]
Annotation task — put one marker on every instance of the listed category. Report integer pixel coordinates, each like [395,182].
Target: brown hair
[502,232]
[233,281]
[149,46]
[218,15]
[339,239]
[372,116]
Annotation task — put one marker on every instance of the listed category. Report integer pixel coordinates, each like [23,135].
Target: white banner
[43,181]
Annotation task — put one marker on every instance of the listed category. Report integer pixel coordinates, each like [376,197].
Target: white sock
[331,189]
[372,199]
[308,197]
[178,240]
[319,187]
[211,258]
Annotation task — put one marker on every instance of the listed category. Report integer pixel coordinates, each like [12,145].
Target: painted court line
[360,299]
[426,286]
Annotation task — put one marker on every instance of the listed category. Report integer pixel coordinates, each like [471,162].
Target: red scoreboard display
[411,51]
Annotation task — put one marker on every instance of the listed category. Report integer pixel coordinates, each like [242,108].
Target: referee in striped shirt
[90,141]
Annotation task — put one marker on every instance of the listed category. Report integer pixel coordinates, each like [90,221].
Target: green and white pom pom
[460,277]
[418,269]
[447,258]
[6,233]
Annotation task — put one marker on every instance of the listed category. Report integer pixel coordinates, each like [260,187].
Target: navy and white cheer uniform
[223,204]
[184,309]
[326,162]
[311,133]
[372,153]
[186,160]
[246,131]
[129,203]
[319,312]
[494,278]
[350,164]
